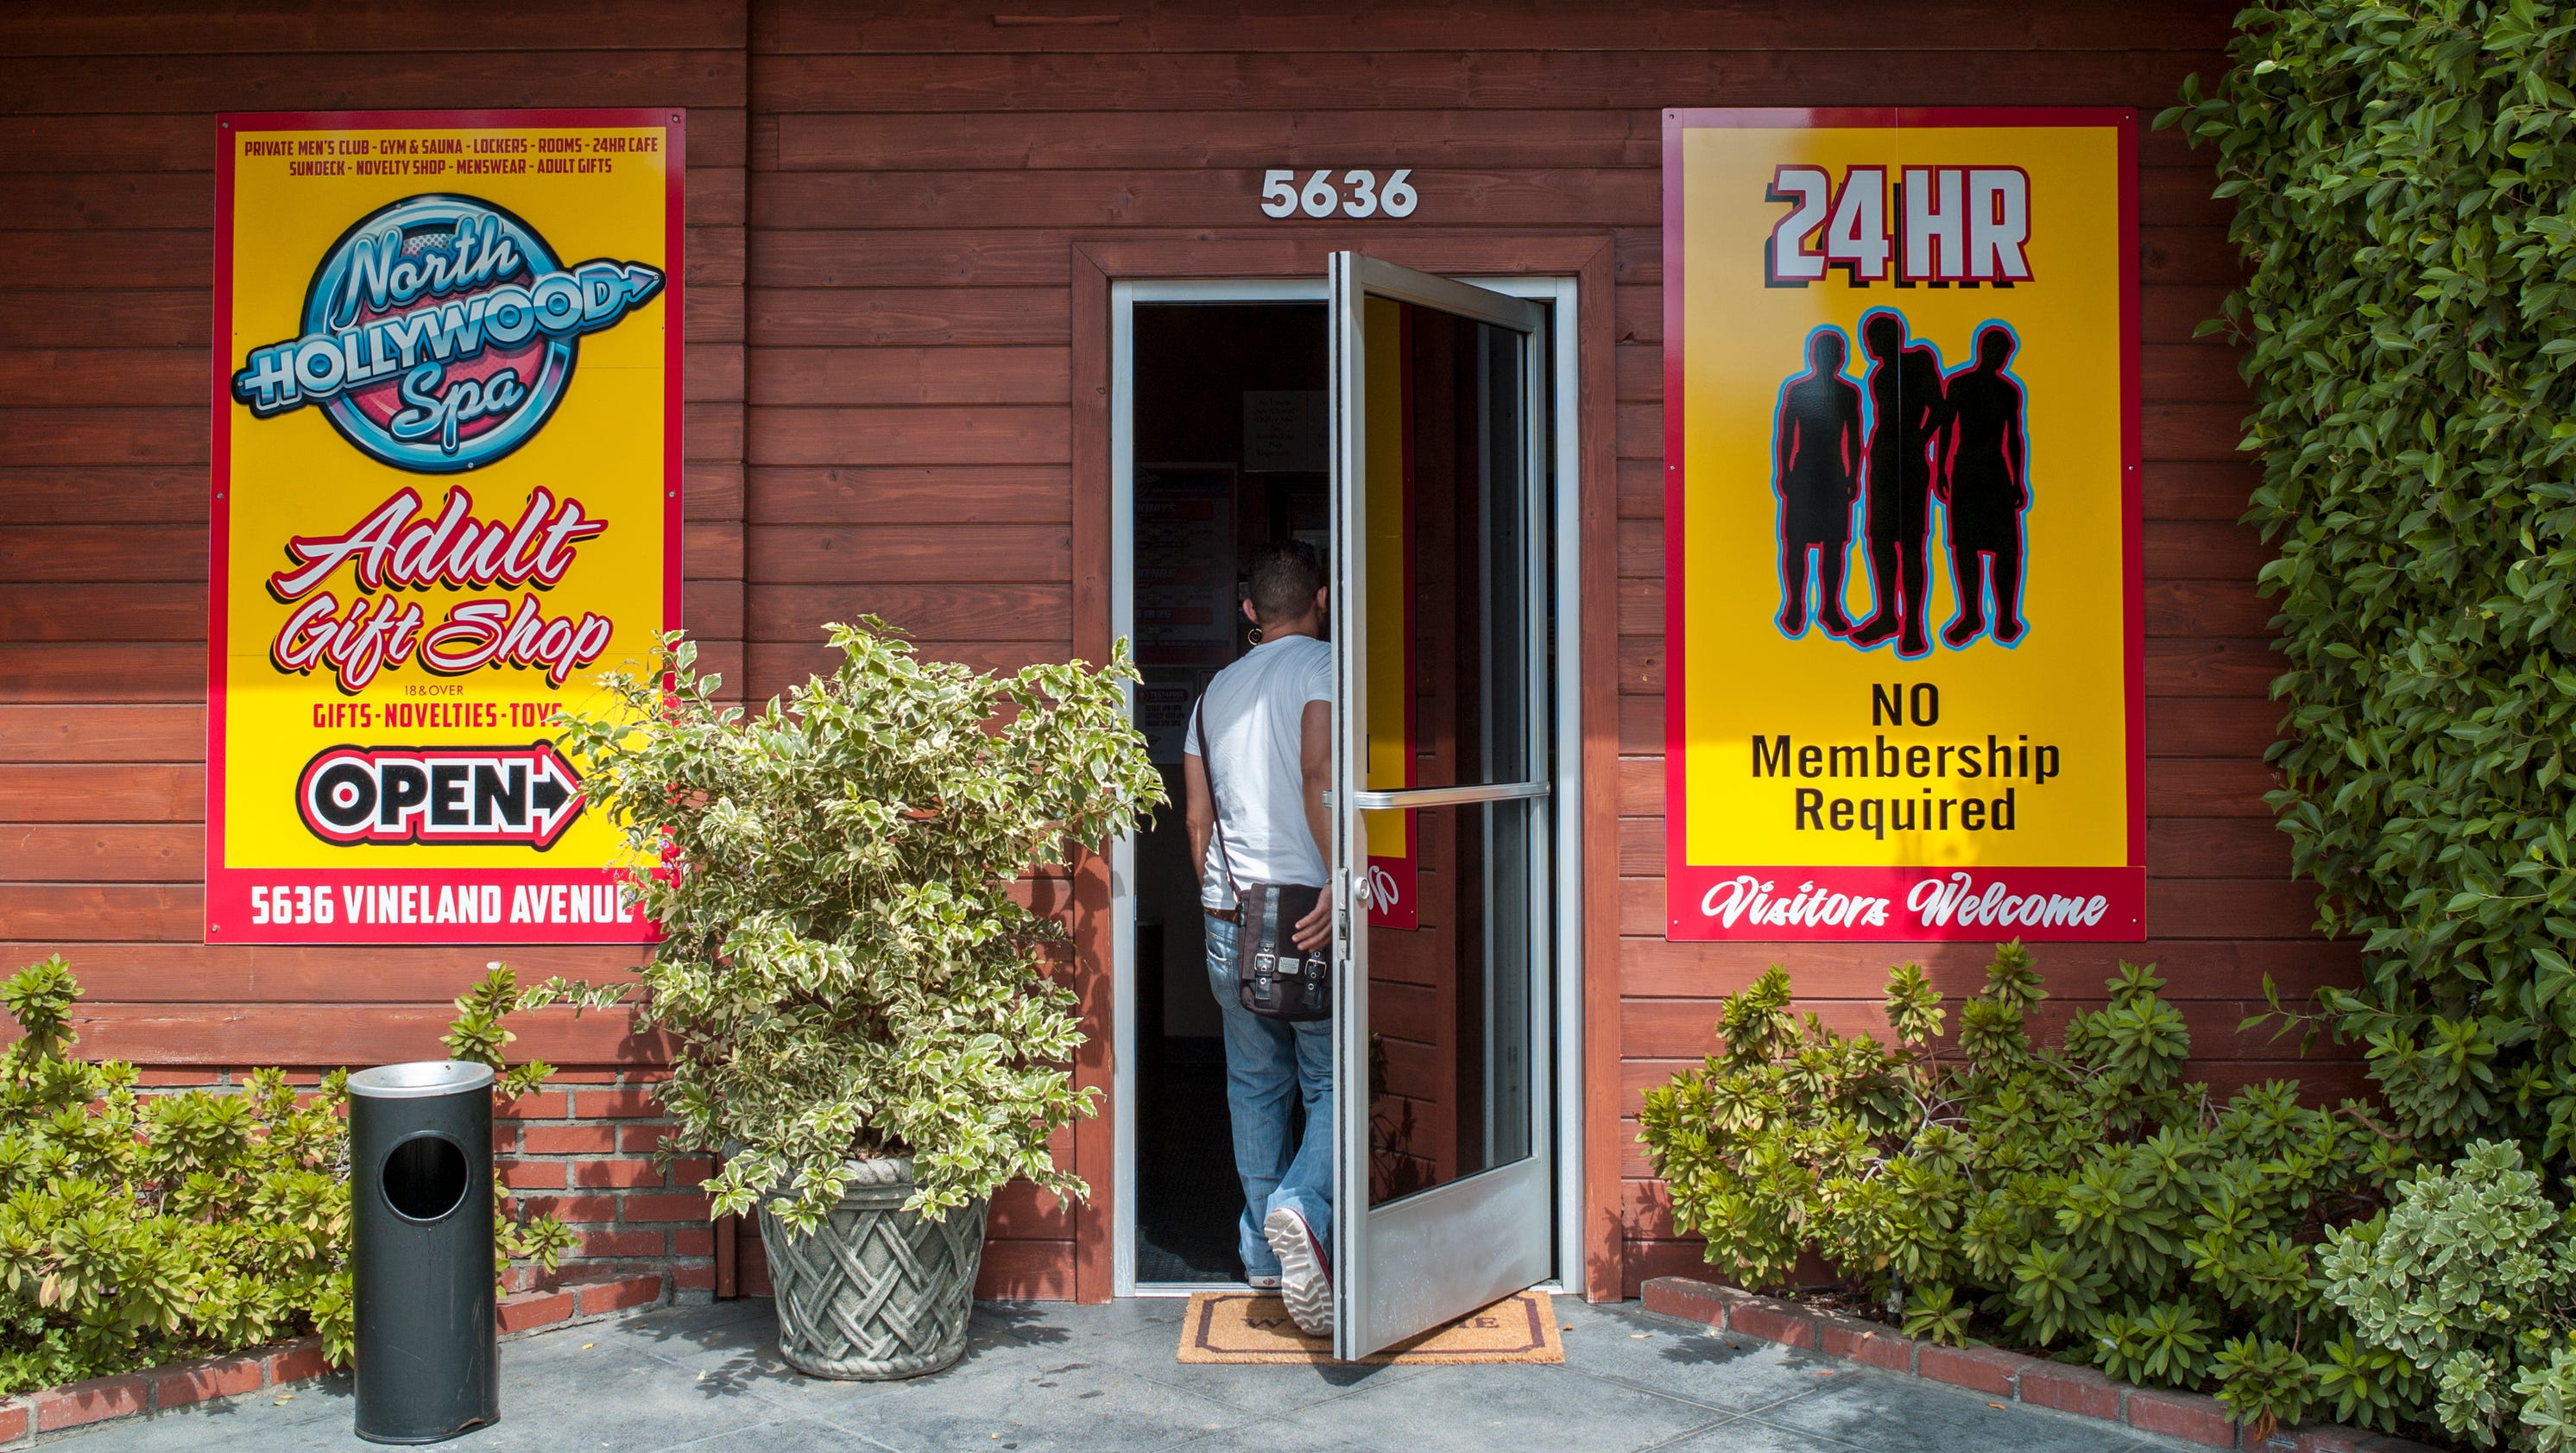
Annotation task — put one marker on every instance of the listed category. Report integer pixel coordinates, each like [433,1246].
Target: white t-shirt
[1254,713]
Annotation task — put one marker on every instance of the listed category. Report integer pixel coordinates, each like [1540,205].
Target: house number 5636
[1357,194]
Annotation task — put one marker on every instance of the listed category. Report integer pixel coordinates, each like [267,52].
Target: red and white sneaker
[1305,1271]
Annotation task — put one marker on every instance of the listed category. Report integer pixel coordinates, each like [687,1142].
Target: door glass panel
[1449,705]
[1449,1005]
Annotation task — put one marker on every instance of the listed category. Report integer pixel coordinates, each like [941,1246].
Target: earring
[1256,635]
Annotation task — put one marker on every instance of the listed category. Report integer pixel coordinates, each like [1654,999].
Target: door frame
[1574,273]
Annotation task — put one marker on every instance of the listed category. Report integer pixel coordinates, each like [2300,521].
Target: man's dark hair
[1284,580]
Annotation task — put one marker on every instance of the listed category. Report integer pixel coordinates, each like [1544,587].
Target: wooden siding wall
[893,378]
[107,146]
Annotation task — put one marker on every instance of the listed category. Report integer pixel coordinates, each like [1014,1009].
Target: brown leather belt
[1224,915]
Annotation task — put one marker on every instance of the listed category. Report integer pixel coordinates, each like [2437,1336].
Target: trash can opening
[425,1177]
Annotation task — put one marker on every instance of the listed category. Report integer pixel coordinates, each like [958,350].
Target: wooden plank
[78,377]
[2198,608]
[2212,728]
[2239,844]
[1684,1028]
[714,315]
[712,610]
[712,491]
[783,377]
[929,435]
[802,555]
[2173,314]
[989,612]
[189,972]
[2189,609]
[94,436]
[1205,197]
[69,201]
[823,317]
[1228,25]
[184,141]
[71,612]
[177,143]
[125,853]
[772,667]
[2211,969]
[1033,141]
[74,912]
[2204,372]
[712,550]
[102,734]
[126,792]
[331,80]
[156,27]
[336,1034]
[1544,79]
[96,258]
[2174,668]
[713,431]
[99,673]
[875,258]
[912,494]
[164,318]
[713,374]
[2209,492]
[175,494]
[2175,787]
[2194,432]
[2176,550]
[1026,1271]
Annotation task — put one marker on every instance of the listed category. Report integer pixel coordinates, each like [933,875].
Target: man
[1907,415]
[1266,724]
[1985,480]
[1815,469]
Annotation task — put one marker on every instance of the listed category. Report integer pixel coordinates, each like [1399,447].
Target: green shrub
[2405,183]
[2082,1200]
[844,967]
[137,1229]
[2470,1276]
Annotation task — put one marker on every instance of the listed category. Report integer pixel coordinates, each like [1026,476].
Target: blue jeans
[1267,1062]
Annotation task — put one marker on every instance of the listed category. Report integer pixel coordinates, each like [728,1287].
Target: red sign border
[227,889]
[1685,883]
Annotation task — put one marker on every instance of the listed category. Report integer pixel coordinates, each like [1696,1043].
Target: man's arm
[1199,812]
[1315,762]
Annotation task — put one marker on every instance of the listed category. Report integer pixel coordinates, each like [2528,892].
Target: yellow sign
[447,493]
[1902,549]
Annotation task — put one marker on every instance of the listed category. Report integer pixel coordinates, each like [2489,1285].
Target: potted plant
[863,1013]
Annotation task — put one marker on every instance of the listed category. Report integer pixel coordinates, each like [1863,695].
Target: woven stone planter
[876,1291]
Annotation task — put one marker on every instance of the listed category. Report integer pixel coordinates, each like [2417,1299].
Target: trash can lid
[420,1079]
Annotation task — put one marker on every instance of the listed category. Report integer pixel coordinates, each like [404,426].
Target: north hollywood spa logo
[440,333]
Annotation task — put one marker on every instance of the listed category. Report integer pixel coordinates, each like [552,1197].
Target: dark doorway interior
[1230,451]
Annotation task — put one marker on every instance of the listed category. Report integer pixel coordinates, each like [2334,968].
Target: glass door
[1444,1172]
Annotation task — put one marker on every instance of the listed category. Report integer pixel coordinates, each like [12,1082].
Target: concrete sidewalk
[1050,1376]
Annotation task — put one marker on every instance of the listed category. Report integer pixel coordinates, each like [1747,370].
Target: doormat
[1255,1327]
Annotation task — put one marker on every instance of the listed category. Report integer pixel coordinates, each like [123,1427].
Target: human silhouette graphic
[1815,469]
[1985,481]
[1907,414]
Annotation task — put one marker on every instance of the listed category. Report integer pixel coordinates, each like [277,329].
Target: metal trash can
[420,1194]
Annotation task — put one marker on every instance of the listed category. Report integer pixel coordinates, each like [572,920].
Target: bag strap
[1216,809]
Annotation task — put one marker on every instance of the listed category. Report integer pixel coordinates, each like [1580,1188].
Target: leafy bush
[137,1229]
[2405,180]
[2470,1276]
[844,968]
[2082,1200]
